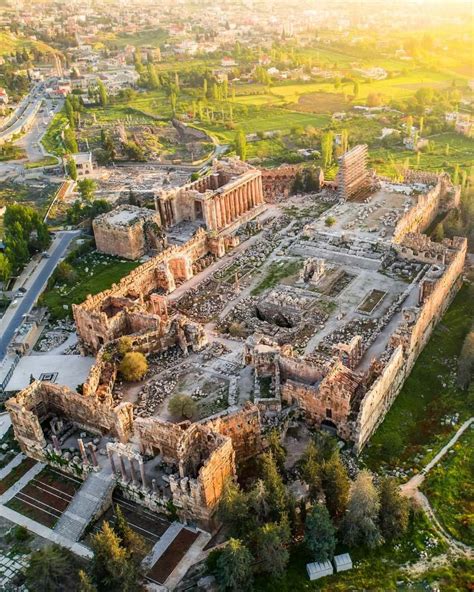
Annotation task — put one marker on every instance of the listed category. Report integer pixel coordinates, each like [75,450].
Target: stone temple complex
[263,319]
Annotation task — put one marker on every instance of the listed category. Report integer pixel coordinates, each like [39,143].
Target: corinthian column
[260,199]
[217,205]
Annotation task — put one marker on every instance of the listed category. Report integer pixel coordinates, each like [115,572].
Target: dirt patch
[165,565]
[320,103]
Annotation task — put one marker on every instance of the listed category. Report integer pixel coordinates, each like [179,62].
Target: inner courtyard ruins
[263,307]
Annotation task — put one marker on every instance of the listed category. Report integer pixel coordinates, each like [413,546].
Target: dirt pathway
[411,490]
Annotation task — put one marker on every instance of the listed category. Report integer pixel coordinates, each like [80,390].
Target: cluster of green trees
[258,522]
[438,102]
[118,553]
[263,521]
[83,212]
[24,234]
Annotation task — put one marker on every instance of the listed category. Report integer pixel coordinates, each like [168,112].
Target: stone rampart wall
[410,339]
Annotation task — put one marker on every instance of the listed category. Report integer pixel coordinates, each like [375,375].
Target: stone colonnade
[126,452]
[221,209]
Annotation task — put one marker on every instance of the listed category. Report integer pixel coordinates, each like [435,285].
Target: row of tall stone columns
[123,470]
[224,209]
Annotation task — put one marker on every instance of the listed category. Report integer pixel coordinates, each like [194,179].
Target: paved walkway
[5,423]
[162,544]
[11,465]
[194,554]
[411,490]
[85,504]
[45,532]
[22,481]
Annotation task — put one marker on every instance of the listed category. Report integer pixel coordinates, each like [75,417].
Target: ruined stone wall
[378,399]
[279,182]
[328,402]
[196,499]
[127,242]
[438,301]
[122,239]
[32,404]
[442,196]
[23,410]
[409,341]
[243,427]
[299,370]
[160,437]
[95,327]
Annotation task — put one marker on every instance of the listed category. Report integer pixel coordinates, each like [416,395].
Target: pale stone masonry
[334,342]
[128,231]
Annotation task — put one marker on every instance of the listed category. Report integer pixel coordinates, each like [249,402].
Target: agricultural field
[151,37]
[445,152]
[450,490]
[430,407]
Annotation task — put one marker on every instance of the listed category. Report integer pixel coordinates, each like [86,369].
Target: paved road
[34,288]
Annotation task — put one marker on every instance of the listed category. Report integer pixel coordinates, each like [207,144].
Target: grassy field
[275,273]
[412,431]
[150,37]
[94,273]
[38,197]
[52,140]
[265,119]
[450,489]
[373,570]
[9,43]
[449,149]
[46,161]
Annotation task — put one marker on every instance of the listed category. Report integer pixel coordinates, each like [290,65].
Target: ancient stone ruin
[321,323]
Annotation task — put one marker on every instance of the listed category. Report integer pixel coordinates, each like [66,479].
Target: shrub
[330,221]
[133,366]
[182,406]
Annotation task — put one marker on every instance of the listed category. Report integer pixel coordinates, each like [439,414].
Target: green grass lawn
[377,570]
[450,489]
[52,140]
[46,161]
[277,271]
[9,44]
[412,431]
[265,119]
[449,149]
[150,37]
[95,273]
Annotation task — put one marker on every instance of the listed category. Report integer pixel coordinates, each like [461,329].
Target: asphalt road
[26,303]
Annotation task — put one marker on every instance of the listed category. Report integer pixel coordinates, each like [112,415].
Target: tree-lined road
[34,285]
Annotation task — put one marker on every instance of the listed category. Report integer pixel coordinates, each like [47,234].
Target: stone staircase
[86,504]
